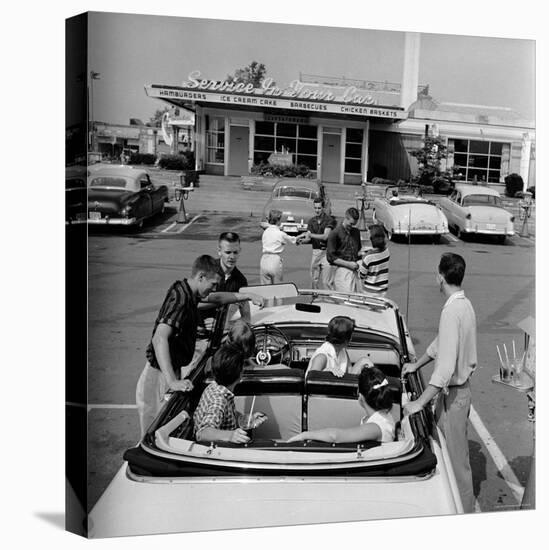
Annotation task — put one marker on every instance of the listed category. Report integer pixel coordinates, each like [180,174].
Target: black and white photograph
[298,269]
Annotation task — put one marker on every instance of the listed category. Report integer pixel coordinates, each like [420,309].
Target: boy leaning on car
[173,339]
[455,353]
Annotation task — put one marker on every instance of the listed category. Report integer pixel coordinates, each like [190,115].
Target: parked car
[122,195]
[295,200]
[76,195]
[403,210]
[171,483]
[477,210]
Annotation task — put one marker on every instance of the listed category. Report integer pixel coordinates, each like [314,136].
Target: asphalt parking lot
[130,272]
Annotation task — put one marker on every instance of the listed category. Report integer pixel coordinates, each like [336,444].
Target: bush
[184,161]
[281,170]
[513,184]
[142,158]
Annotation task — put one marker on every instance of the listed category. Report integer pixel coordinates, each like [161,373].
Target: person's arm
[318,362]
[161,345]
[320,236]
[367,431]
[428,394]
[214,434]
[412,367]
[223,298]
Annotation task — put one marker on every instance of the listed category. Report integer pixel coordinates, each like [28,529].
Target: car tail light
[468,216]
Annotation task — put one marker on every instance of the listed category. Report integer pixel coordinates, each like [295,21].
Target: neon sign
[296,90]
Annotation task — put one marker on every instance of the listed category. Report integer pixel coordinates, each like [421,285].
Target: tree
[254,73]
[156,120]
[429,158]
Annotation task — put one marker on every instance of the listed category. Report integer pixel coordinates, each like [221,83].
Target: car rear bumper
[398,231]
[293,228]
[477,231]
[112,221]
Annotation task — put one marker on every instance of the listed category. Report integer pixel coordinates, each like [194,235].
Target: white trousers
[149,395]
[321,270]
[345,280]
[270,269]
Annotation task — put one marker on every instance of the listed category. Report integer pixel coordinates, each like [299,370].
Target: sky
[130,51]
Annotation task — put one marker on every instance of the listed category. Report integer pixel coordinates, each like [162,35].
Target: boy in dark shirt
[173,339]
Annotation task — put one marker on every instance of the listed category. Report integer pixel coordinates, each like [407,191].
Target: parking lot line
[187,224]
[497,456]
[169,227]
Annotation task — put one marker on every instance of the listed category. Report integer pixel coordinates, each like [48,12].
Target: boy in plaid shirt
[215,417]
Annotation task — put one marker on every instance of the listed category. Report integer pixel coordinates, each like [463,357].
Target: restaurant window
[353,150]
[300,140]
[215,140]
[479,160]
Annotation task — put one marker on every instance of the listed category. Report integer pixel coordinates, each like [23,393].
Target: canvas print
[300,272]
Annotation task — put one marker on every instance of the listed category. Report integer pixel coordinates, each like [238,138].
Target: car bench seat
[332,402]
[279,394]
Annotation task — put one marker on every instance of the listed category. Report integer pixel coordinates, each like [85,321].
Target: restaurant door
[238,151]
[331,158]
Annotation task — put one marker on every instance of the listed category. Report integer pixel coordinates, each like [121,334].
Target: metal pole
[409,248]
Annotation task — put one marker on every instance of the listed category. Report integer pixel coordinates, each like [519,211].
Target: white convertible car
[171,483]
[476,209]
[404,211]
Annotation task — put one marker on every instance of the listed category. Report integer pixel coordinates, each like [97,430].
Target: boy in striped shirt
[373,269]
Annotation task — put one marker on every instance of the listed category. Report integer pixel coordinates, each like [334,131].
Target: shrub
[513,184]
[281,170]
[184,161]
[142,158]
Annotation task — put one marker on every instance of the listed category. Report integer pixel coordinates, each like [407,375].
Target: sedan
[75,195]
[477,210]
[122,195]
[295,200]
[170,482]
[403,211]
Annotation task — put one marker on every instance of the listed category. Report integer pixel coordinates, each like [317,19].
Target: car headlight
[126,211]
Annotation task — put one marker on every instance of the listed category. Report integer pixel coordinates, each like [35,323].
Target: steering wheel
[271,345]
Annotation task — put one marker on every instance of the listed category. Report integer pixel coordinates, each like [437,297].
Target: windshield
[110,181]
[299,192]
[481,200]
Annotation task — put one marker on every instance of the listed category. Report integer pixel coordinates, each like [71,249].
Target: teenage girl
[374,396]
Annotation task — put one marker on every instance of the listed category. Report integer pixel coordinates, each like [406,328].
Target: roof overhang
[255,99]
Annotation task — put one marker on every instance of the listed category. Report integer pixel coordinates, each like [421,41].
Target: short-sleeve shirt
[233,283]
[374,271]
[274,240]
[215,409]
[344,244]
[317,225]
[385,422]
[180,312]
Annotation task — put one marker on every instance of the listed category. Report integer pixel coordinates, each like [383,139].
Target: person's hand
[238,436]
[181,385]
[257,419]
[412,407]
[407,368]
[257,300]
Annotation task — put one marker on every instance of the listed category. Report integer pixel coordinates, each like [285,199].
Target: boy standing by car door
[173,339]
[454,351]
[318,229]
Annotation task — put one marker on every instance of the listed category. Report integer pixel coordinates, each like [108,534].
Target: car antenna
[409,248]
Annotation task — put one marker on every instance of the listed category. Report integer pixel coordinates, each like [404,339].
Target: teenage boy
[343,252]
[318,230]
[454,351]
[173,339]
[215,417]
[373,270]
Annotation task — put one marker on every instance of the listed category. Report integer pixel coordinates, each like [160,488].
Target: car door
[146,207]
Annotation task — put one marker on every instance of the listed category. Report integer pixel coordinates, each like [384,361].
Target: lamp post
[93,76]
